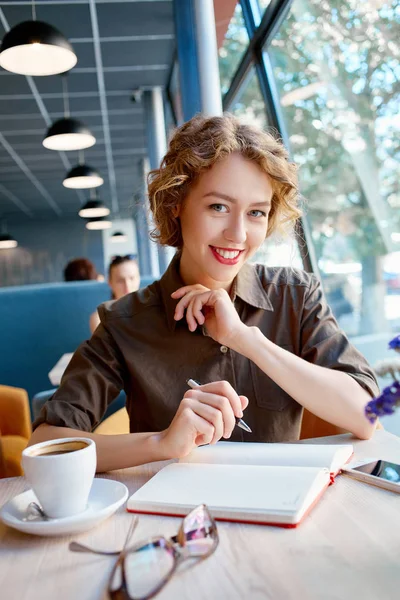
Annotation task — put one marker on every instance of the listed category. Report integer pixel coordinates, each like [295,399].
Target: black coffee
[58,452]
[60,448]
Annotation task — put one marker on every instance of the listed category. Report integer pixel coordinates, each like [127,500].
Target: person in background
[260,339]
[123,278]
[80,269]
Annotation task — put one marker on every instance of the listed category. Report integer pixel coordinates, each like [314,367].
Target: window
[175,94]
[249,106]
[337,72]
[233,48]
[262,5]
[249,103]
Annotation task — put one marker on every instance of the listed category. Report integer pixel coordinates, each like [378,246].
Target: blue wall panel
[44,249]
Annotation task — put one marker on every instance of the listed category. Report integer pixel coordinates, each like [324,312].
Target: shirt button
[224,349]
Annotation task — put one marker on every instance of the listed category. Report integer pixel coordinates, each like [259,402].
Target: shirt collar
[247,286]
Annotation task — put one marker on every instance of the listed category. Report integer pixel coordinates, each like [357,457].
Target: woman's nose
[236,232]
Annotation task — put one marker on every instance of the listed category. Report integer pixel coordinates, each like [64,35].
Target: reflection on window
[233,48]
[337,71]
[249,104]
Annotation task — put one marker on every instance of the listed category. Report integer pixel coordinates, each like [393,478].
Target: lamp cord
[33,11]
[65,95]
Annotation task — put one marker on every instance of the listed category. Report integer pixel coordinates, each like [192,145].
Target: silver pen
[239,422]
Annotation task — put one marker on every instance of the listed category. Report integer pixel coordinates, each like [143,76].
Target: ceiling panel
[141,52]
[137,52]
[76,82]
[13,83]
[72,19]
[134,79]
[135,18]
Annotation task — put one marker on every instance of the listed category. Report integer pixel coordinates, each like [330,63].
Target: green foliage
[343,58]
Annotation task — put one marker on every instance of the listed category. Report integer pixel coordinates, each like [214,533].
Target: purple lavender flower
[394,344]
[389,400]
[385,404]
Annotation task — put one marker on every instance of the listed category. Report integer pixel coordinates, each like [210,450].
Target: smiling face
[224,220]
[124,278]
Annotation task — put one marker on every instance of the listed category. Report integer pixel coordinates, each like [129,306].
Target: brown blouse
[139,347]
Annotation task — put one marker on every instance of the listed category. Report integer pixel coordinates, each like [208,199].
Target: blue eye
[218,207]
[257,213]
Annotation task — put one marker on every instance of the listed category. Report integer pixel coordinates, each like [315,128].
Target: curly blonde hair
[195,147]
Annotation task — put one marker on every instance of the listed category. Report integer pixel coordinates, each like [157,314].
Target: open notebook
[273,484]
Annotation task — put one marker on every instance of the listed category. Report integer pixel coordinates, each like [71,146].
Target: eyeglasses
[142,570]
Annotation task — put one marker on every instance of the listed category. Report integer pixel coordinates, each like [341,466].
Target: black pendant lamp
[7,241]
[82,177]
[98,224]
[67,133]
[94,207]
[118,237]
[36,48]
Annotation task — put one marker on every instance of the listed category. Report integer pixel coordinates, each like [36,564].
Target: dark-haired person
[123,279]
[80,269]
[257,338]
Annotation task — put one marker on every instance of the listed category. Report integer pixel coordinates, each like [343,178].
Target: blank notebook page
[231,489]
[303,455]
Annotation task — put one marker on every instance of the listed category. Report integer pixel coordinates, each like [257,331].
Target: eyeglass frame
[180,538]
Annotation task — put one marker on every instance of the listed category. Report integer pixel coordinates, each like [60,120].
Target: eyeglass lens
[149,567]
[199,531]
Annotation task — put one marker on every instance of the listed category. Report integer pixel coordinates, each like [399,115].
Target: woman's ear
[176,211]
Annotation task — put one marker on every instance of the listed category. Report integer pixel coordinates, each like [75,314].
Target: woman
[266,334]
[123,278]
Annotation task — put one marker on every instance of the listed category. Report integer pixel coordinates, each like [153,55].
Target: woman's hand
[212,308]
[205,414]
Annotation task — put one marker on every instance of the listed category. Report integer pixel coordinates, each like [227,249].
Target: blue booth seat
[40,323]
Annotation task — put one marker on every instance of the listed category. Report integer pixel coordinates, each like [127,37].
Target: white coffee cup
[61,474]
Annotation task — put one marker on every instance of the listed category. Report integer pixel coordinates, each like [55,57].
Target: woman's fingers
[186,289]
[197,306]
[221,415]
[190,319]
[193,303]
[244,401]
[210,414]
[224,389]
[183,304]
[205,430]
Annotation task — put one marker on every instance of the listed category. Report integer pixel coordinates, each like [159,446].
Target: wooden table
[57,371]
[348,548]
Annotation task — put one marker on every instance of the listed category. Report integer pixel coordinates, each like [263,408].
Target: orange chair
[115,424]
[314,427]
[15,429]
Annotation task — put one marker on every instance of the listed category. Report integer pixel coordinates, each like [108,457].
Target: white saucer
[105,497]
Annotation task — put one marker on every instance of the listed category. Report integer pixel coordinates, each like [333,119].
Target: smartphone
[382,473]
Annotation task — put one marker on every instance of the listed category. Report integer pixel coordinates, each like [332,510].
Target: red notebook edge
[244,521]
[333,475]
